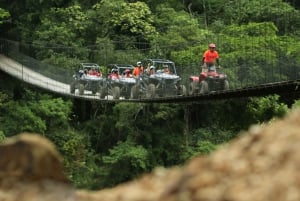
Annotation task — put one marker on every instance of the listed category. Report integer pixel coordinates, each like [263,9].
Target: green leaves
[3,15]
[55,112]
[61,27]
[40,116]
[124,162]
[126,18]
[265,108]
[127,151]
[19,118]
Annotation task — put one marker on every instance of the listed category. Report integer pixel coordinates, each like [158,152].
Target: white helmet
[138,63]
[114,70]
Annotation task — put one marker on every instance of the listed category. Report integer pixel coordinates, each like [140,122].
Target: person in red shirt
[127,73]
[95,72]
[210,57]
[138,70]
[114,74]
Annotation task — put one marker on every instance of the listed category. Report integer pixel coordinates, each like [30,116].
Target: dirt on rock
[261,165]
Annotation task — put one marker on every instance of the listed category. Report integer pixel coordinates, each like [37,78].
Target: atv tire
[102,92]
[182,90]
[226,85]
[204,87]
[72,88]
[151,91]
[116,92]
[81,89]
[193,88]
[134,92]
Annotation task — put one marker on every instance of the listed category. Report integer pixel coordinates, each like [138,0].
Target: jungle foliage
[107,144]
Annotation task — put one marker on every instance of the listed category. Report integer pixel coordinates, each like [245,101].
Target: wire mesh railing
[243,74]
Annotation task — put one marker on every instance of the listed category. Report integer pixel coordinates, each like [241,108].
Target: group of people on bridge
[140,69]
[92,72]
[210,58]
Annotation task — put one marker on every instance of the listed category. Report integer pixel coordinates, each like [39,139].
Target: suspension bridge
[57,80]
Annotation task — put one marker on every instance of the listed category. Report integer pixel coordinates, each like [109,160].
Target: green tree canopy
[3,15]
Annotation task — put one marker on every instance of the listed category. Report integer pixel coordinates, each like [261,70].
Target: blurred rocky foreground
[262,165]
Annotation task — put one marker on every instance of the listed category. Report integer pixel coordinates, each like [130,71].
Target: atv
[88,77]
[119,81]
[162,83]
[211,79]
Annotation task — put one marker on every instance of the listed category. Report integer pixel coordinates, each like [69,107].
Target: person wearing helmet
[210,57]
[95,72]
[151,70]
[114,74]
[127,73]
[138,70]
[114,70]
[166,69]
[84,73]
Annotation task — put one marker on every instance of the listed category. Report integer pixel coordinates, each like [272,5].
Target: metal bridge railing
[240,76]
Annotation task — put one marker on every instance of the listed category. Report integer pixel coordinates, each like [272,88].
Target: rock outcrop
[31,169]
[262,164]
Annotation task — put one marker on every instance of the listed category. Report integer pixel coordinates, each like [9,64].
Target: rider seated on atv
[151,70]
[95,72]
[138,70]
[127,73]
[114,74]
[84,73]
[166,69]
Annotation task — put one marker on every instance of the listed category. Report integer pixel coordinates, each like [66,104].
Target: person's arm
[217,61]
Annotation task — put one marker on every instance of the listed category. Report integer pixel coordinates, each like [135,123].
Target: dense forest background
[104,144]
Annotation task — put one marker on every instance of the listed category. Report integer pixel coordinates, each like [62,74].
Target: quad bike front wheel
[193,88]
[182,90]
[72,88]
[102,92]
[151,91]
[116,92]
[204,87]
[134,92]
[81,89]
[226,85]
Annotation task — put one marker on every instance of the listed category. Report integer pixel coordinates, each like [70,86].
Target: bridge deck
[21,72]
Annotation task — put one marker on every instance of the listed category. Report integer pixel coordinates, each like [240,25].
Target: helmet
[212,45]
[138,63]
[114,70]
[127,71]
[152,67]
